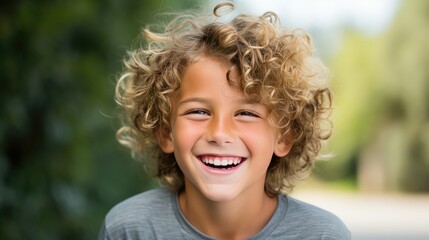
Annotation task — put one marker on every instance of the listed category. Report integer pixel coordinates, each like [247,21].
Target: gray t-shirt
[155,214]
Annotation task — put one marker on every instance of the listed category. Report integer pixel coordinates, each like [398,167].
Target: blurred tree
[60,166]
[355,73]
[381,120]
[404,131]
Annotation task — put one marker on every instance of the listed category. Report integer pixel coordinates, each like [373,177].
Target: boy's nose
[220,131]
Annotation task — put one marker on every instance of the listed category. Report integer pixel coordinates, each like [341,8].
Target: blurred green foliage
[407,97]
[61,168]
[381,86]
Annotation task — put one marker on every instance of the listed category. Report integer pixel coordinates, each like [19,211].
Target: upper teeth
[221,161]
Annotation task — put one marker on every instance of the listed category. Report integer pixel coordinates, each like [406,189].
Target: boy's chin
[220,193]
[221,198]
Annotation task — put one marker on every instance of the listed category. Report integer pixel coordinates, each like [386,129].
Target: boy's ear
[165,141]
[282,147]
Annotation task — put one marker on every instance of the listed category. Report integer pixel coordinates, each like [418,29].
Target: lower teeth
[220,166]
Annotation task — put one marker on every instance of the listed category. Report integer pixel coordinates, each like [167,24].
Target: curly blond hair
[277,68]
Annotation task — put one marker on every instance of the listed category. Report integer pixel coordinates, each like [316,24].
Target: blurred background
[61,168]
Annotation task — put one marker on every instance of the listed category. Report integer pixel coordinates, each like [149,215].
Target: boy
[233,112]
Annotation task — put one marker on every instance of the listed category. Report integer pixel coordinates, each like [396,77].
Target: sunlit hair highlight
[276,67]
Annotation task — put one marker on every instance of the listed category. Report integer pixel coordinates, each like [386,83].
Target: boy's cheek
[184,131]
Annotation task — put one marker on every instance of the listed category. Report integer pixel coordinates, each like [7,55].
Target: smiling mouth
[221,162]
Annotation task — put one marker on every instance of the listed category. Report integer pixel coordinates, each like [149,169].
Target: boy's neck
[240,218]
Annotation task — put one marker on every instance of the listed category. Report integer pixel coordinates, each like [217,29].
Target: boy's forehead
[199,68]
[219,74]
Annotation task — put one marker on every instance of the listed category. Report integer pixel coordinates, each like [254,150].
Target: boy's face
[222,142]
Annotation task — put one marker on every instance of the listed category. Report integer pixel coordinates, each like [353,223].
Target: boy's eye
[247,114]
[197,112]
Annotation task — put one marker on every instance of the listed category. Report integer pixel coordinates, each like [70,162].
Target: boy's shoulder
[137,213]
[142,205]
[304,221]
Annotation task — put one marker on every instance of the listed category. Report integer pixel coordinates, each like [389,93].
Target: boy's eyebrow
[203,100]
[195,99]
[244,100]
[247,101]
